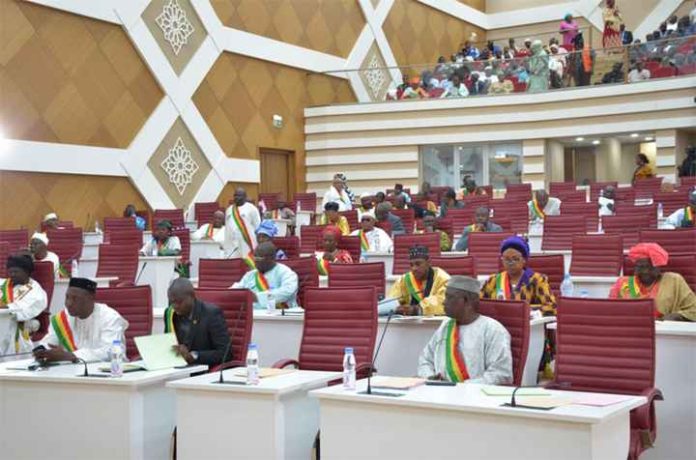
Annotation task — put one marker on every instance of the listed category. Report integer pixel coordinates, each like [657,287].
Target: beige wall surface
[500,6]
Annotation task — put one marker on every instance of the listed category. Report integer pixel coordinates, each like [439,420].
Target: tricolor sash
[61,326]
[456,367]
[237,219]
[7,292]
[688,220]
[169,320]
[261,282]
[472,228]
[249,260]
[502,285]
[631,289]
[364,244]
[414,287]
[62,271]
[210,232]
[538,212]
[323,266]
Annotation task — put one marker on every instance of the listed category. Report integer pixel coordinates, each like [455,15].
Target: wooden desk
[55,414]
[273,420]
[462,422]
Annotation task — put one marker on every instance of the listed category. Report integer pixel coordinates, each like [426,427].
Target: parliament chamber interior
[347,229]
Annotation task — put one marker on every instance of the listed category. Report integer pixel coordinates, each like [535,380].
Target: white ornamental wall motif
[180,166]
[175,25]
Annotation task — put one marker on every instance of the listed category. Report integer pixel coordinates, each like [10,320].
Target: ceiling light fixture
[649,138]
[579,139]
[634,135]
[595,142]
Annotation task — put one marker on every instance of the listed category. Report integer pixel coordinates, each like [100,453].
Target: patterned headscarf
[419,252]
[517,243]
[268,228]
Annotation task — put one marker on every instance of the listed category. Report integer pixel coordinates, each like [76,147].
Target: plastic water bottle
[116,355]
[270,303]
[97,228]
[154,251]
[567,287]
[660,211]
[348,369]
[252,365]
[74,269]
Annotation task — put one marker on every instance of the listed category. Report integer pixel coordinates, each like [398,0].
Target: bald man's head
[218,219]
[181,296]
[264,256]
[240,196]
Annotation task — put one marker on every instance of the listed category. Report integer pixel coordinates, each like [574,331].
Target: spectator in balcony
[456,89]
[663,30]
[477,87]
[415,90]
[470,50]
[615,75]
[527,50]
[672,24]
[625,35]
[583,62]
[568,29]
[449,201]
[612,25]
[493,48]
[643,168]
[639,73]
[538,69]
[441,67]
[556,64]
[513,47]
[508,53]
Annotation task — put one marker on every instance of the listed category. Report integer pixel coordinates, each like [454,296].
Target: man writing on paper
[212,231]
[241,221]
[200,327]
[422,290]
[468,346]
[84,329]
[25,300]
[277,279]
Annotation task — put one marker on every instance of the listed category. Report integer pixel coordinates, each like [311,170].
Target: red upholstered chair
[305,201]
[514,316]
[516,211]
[336,318]
[269,199]
[385,225]
[44,274]
[134,303]
[485,248]
[589,212]
[446,225]
[125,237]
[664,72]
[597,255]
[310,235]
[402,244]
[17,240]
[203,212]
[557,188]
[118,224]
[586,329]
[120,261]
[684,264]
[307,274]
[596,187]
[550,265]
[4,253]
[627,226]
[67,244]
[184,236]
[463,265]
[646,215]
[358,275]
[237,307]
[352,218]
[682,240]
[461,218]
[289,244]
[687,183]
[671,201]
[559,231]
[625,195]
[175,216]
[646,188]
[474,201]
[407,217]
[522,190]
[572,196]
[352,245]
[220,273]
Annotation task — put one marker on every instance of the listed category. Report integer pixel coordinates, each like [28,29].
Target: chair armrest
[362,370]
[124,284]
[285,363]
[642,417]
[227,365]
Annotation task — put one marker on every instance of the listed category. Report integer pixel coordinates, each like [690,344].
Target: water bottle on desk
[567,287]
[116,355]
[252,365]
[348,369]
[97,228]
[660,211]
[74,269]
[270,303]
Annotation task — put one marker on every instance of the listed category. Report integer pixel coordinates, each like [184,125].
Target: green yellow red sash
[249,260]
[502,284]
[62,271]
[472,228]
[169,320]
[538,212]
[631,289]
[323,266]
[261,282]
[237,219]
[210,232]
[364,244]
[7,292]
[456,367]
[61,326]
[414,287]
[688,219]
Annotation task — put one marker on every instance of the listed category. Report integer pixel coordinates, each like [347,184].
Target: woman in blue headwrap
[265,232]
[517,282]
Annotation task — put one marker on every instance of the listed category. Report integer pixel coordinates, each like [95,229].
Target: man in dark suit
[200,327]
[626,35]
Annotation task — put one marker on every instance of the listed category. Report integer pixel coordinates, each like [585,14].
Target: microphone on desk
[513,402]
[374,359]
[137,278]
[221,380]
[86,371]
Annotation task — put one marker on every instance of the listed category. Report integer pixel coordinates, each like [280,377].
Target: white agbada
[485,346]
[93,335]
[342,198]
[604,203]
[51,257]
[29,301]
[378,240]
[234,243]
[202,234]
[172,244]
[552,208]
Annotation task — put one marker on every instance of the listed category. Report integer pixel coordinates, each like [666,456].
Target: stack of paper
[264,372]
[397,383]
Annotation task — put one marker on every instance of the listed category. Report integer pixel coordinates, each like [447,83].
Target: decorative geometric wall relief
[177,29]
[179,165]
[374,74]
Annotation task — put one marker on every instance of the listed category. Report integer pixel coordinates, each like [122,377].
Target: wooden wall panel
[70,79]
[478,4]
[329,26]
[26,197]
[240,95]
[419,34]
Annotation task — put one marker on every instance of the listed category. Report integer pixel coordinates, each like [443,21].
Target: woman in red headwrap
[674,299]
[330,239]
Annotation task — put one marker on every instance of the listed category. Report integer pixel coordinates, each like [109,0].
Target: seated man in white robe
[212,231]
[38,245]
[542,205]
[84,329]
[372,239]
[469,346]
[270,277]
[25,300]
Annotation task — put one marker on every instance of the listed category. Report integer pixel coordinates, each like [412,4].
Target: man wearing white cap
[50,221]
[38,245]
